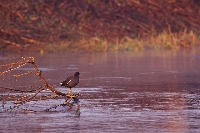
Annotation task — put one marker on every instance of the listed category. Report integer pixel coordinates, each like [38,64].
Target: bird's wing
[68,80]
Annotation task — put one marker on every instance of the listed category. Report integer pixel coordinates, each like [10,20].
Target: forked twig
[31,93]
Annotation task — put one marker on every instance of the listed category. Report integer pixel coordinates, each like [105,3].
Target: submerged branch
[31,93]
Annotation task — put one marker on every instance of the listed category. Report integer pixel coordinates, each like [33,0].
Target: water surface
[120,92]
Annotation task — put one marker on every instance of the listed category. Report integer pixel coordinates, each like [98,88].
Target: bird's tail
[61,83]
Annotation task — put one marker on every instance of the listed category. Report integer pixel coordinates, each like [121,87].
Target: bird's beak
[80,75]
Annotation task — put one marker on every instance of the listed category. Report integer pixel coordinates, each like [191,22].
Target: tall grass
[162,41]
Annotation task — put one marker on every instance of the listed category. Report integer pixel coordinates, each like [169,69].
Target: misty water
[144,92]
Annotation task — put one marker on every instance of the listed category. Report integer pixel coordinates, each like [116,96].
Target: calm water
[120,92]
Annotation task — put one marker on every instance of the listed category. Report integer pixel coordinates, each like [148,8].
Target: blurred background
[98,25]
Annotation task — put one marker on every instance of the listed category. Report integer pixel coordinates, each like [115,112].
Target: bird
[71,81]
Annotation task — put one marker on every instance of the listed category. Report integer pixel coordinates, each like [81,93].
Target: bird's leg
[69,90]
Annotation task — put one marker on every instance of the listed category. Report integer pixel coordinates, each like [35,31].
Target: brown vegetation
[98,25]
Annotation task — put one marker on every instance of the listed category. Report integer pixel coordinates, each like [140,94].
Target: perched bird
[71,81]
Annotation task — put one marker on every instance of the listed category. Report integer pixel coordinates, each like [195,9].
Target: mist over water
[120,92]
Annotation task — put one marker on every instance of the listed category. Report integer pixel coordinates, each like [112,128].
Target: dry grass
[163,41]
[169,40]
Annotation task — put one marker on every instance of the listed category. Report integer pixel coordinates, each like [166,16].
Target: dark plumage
[71,81]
